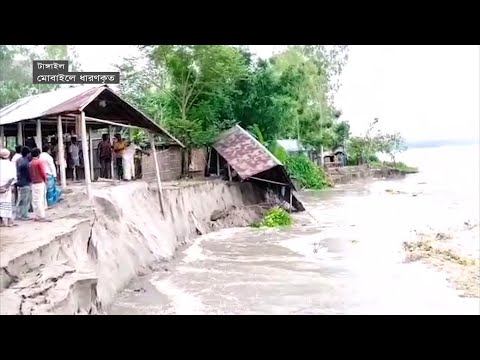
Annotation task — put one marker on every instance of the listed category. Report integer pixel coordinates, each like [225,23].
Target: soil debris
[462,271]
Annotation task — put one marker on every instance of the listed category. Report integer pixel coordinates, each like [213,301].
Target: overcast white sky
[426,92]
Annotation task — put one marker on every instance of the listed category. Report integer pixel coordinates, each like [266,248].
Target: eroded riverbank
[344,256]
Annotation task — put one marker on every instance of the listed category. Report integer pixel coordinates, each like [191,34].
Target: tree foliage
[199,90]
[16,69]
[363,149]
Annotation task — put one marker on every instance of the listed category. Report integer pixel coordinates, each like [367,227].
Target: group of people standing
[28,178]
[124,153]
[27,182]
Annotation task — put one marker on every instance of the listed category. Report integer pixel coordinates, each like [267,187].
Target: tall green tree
[201,84]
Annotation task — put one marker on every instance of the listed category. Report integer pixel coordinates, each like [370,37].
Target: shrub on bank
[306,172]
[275,217]
[400,166]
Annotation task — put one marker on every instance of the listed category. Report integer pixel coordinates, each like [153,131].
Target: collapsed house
[237,155]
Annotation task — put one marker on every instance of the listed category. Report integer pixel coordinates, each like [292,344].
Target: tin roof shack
[78,110]
[335,158]
[238,155]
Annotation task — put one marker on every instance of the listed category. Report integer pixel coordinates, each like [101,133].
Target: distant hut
[340,155]
[295,147]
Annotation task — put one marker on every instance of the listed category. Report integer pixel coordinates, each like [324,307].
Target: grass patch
[306,173]
[275,217]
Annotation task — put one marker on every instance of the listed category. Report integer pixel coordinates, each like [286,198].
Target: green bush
[402,167]
[275,217]
[278,151]
[306,172]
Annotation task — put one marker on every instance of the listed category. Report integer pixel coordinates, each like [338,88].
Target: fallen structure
[236,154]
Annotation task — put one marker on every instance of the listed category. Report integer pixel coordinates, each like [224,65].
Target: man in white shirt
[47,161]
[18,154]
[50,170]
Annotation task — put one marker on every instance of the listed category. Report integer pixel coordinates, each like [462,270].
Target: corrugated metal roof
[69,100]
[244,153]
[50,103]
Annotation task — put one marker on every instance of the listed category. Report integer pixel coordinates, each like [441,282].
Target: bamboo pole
[268,181]
[61,152]
[86,160]
[208,161]
[218,163]
[110,135]
[229,173]
[90,146]
[157,172]
[39,134]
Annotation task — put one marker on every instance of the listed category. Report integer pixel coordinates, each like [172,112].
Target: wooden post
[61,152]
[218,163]
[157,171]
[208,161]
[90,148]
[291,198]
[110,136]
[86,160]
[2,137]
[229,173]
[19,133]
[39,134]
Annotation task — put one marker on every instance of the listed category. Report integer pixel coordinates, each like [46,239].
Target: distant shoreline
[440,143]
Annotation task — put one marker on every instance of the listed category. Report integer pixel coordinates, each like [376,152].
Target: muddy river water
[343,256]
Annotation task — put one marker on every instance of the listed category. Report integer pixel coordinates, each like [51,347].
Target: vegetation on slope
[275,217]
[306,173]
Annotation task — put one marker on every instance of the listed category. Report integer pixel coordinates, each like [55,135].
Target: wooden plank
[268,181]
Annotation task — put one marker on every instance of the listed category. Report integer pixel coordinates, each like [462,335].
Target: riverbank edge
[81,270]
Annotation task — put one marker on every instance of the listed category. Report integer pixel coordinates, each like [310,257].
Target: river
[343,255]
